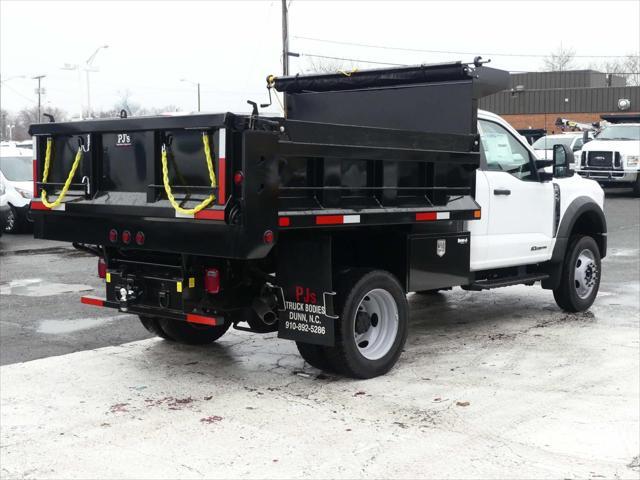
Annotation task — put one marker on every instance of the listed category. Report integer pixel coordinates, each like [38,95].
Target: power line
[406,49]
[352,59]
[17,92]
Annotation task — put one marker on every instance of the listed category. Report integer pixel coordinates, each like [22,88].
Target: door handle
[501,191]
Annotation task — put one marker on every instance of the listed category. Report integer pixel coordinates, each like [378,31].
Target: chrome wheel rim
[376,324]
[586,273]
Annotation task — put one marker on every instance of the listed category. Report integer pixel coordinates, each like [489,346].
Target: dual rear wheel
[184,332]
[373,329]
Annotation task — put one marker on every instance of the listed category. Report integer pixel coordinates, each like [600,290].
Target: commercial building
[538,99]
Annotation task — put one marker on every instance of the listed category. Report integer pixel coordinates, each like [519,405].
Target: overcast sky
[231,46]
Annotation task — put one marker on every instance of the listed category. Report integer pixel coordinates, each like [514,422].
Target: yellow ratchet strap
[167,186]
[67,183]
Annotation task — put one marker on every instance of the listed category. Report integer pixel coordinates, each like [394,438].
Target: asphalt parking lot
[499,384]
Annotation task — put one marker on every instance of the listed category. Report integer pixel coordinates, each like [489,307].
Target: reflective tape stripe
[193,318]
[95,301]
[424,216]
[443,216]
[351,219]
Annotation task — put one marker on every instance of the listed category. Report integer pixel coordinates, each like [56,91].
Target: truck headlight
[632,160]
[25,193]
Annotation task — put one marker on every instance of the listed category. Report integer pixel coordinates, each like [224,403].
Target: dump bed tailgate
[124,167]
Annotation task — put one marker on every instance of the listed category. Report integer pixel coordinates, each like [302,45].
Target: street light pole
[39,91]
[89,68]
[197,84]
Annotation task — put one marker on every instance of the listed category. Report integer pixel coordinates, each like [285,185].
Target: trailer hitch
[128,294]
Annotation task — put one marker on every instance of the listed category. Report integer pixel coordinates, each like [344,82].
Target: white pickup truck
[613,157]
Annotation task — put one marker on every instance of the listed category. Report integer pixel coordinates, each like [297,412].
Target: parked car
[16,171]
[4,206]
[544,145]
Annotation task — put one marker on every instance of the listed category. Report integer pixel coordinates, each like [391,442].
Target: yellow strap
[45,175]
[167,186]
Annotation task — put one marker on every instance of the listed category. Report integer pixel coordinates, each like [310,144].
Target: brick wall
[541,120]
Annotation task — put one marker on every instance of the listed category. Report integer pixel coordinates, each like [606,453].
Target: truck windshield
[17,169]
[547,143]
[620,132]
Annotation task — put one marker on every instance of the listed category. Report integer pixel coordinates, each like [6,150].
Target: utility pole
[198,96]
[40,92]
[285,39]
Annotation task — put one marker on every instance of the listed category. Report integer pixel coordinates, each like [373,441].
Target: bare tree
[627,67]
[327,65]
[22,120]
[560,60]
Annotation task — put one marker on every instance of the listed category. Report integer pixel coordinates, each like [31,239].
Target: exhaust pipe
[264,308]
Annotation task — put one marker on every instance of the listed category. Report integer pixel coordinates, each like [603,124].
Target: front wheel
[581,272]
[636,186]
[372,328]
[13,221]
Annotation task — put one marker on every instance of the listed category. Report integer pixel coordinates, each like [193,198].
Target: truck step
[507,281]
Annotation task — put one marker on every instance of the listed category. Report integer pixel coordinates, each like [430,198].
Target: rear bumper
[194,317]
[169,235]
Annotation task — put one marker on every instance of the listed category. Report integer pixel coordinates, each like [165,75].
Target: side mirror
[562,156]
[585,137]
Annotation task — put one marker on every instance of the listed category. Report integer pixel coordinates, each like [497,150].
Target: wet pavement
[497,384]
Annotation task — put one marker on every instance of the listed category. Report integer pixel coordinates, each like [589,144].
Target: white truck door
[517,208]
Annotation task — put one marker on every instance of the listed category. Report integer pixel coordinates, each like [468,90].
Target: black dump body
[376,148]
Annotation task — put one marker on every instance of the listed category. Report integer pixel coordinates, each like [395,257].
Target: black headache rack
[308,171]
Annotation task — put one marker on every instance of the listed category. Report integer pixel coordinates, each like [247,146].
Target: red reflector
[193,318]
[329,220]
[238,177]
[37,205]
[126,237]
[140,238]
[102,268]
[211,280]
[210,215]
[426,216]
[113,235]
[35,176]
[284,221]
[267,237]
[95,301]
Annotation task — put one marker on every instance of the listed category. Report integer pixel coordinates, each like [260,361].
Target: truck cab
[612,158]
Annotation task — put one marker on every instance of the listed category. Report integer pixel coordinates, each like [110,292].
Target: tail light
[102,268]
[238,178]
[126,237]
[34,145]
[267,237]
[140,238]
[113,235]
[211,280]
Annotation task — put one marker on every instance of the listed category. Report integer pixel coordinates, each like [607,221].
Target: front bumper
[610,176]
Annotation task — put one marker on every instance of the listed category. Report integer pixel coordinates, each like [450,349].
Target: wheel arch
[582,216]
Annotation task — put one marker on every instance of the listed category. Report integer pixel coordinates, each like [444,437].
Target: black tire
[636,186]
[12,224]
[435,291]
[153,326]
[316,356]
[346,357]
[191,333]
[567,293]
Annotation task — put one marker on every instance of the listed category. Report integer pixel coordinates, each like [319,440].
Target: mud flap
[306,311]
